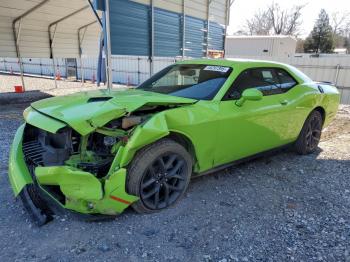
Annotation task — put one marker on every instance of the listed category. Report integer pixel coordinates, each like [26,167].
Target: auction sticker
[222,69]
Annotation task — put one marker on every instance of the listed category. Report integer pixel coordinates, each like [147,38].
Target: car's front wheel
[310,134]
[159,175]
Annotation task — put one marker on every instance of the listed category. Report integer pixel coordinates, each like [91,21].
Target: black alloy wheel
[313,133]
[163,181]
[310,134]
[159,175]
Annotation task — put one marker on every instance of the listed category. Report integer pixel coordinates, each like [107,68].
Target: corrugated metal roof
[33,38]
[167,38]
[129,30]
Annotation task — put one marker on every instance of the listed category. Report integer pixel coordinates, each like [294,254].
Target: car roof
[234,62]
[249,63]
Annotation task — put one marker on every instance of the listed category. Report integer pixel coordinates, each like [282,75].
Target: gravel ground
[280,208]
[45,85]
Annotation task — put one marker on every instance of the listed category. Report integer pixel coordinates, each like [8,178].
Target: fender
[19,175]
[153,130]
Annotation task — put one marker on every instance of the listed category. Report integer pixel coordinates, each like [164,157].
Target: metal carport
[47,28]
[67,29]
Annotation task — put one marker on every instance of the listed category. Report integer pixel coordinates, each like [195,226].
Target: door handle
[284,102]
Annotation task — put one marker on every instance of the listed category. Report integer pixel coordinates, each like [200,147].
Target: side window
[286,81]
[270,81]
[269,84]
[263,79]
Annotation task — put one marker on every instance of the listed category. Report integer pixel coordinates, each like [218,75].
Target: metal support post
[80,42]
[208,26]
[183,28]
[227,20]
[51,41]
[52,37]
[152,39]
[98,19]
[16,35]
[336,74]
[138,71]
[108,48]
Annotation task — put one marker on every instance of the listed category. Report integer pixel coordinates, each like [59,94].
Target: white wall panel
[170,5]
[197,8]
[260,46]
[218,11]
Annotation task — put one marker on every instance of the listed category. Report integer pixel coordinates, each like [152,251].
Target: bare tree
[259,24]
[339,22]
[347,29]
[275,21]
[285,21]
[340,29]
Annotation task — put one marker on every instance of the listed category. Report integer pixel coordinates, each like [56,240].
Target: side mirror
[251,94]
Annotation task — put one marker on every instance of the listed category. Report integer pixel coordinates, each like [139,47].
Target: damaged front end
[64,169]
[54,165]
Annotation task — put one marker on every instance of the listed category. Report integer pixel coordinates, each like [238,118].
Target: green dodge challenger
[96,153]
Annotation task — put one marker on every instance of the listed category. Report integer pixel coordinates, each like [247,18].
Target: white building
[278,45]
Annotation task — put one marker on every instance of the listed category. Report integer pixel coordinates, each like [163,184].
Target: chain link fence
[133,70]
[127,70]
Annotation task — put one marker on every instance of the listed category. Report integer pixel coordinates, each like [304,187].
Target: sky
[241,10]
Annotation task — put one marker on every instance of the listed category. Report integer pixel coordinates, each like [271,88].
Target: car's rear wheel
[159,175]
[310,134]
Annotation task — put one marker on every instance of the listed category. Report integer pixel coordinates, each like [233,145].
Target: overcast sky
[244,9]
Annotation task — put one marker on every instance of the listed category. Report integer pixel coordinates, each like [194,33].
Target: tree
[275,21]
[345,32]
[339,22]
[320,39]
[300,46]
[285,22]
[259,24]
[347,44]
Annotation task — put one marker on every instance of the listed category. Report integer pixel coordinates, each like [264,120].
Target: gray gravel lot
[280,208]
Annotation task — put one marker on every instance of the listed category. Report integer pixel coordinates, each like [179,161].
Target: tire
[35,205]
[159,175]
[310,134]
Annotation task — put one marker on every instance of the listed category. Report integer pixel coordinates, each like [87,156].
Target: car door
[256,126]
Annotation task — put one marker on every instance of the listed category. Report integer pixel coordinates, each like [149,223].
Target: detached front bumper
[82,191]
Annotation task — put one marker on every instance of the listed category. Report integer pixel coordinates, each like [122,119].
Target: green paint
[111,132]
[19,175]
[74,183]
[220,131]
[85,117]
[250,94]
[115,187]
[84,192]
[41,121]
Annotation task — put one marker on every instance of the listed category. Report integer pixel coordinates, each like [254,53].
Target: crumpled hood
[87,111]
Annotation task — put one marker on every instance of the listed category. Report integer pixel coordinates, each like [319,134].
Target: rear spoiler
[320,83]
[326,83]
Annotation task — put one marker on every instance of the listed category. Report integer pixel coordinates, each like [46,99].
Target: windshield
[200,82]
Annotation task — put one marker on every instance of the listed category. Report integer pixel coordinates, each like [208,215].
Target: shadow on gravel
[264,159]
[286,168]
[10,98]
